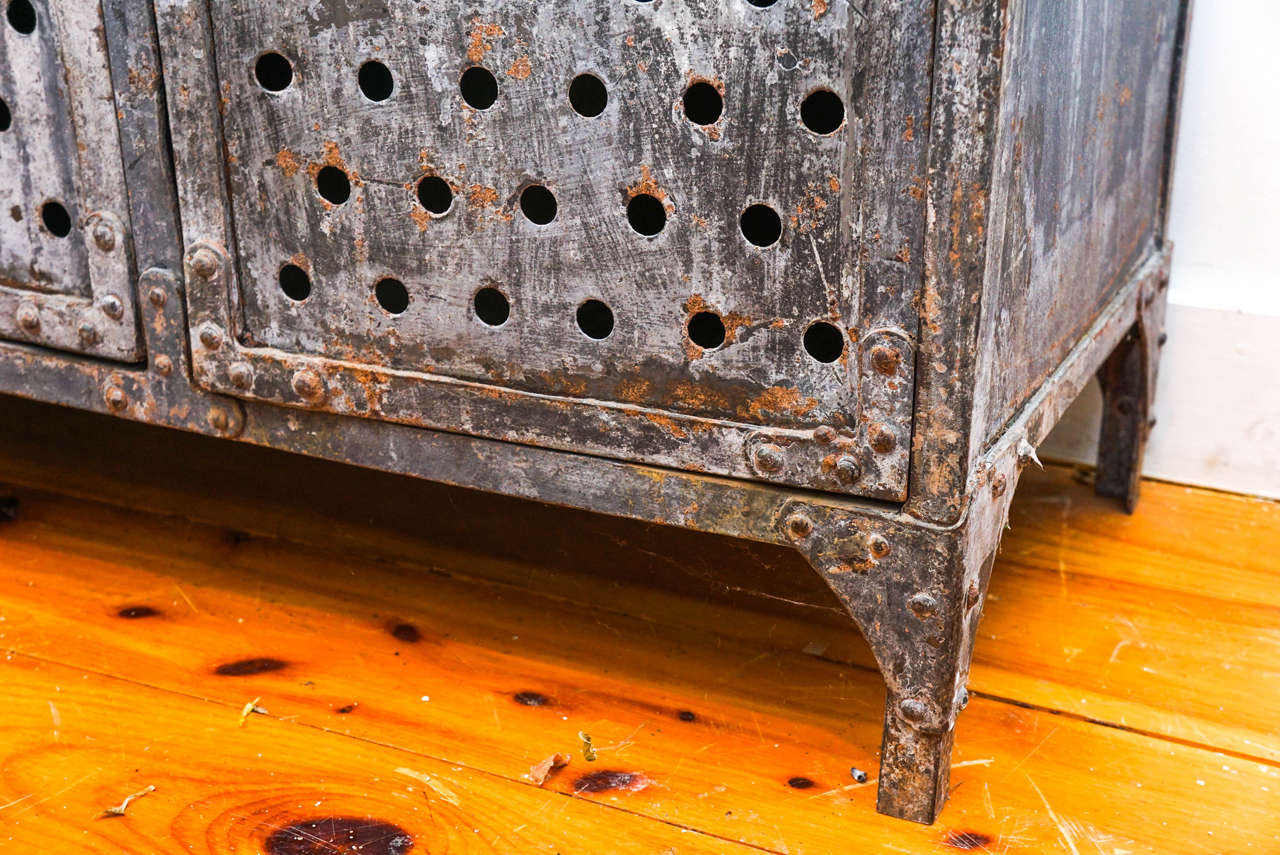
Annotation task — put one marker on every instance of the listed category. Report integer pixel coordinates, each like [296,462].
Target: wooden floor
[289,657]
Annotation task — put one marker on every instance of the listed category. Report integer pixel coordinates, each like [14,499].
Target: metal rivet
[219,420]
[29,317]
[204,263]
[241,375]
[882,439]
[210,337]
[164,365]
[768,458]
[923,605]
[913,710]
[115,397]
[308,384]
[848,470]
[878,545]
[1162,338]
[157,296]
[112,307]
[104,235]
[88,334]
[799,525]
[962,698]
[824,433]
[885,360]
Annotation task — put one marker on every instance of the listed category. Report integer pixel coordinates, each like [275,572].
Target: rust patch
[288,162]
[647,185]
[691,395]
[635,391]
[480,196]
[780,399]
[667,423]
[421,217]
[819,8]
[477,47]
[520,69]
[909,133]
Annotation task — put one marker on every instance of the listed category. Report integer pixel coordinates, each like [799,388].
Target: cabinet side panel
[1079,163]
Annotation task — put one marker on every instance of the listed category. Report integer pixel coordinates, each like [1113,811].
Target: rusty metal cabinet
[806,271]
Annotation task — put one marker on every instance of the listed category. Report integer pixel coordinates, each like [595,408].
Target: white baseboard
[1217,405]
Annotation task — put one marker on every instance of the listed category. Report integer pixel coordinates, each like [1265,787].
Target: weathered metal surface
[848,198]
[1073,212]
[66,264]
[928,305]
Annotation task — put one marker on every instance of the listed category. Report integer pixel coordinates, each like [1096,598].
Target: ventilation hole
[333,185]
[492,306]
[392,296]
[646,214]
[761,225]
[703,103]
[479,88]
[6,118]
[295,283]
[538,204]
[822,112]
[824,341]
[274,72]
[435,195]
[375,81]
[587,95]
[762,3]
[706,330]
[22,16]
[595,319]
[56,219]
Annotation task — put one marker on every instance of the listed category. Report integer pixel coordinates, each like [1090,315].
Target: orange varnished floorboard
[1125,685]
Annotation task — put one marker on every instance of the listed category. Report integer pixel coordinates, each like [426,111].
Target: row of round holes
[822,111]
[823,341]
[22,17]
[760,224]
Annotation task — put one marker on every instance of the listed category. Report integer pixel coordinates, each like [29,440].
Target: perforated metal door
[65,260]
[678,231]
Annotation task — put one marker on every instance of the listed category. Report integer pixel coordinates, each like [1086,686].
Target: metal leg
[915,764]
[908,587]
[1125,415]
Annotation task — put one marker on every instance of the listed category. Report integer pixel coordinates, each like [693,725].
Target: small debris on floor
[858,775]
[250,709]
[119,809]
[8,508]
[588,750]
[541,772]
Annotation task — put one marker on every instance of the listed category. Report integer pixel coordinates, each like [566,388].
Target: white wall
[1218,399]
